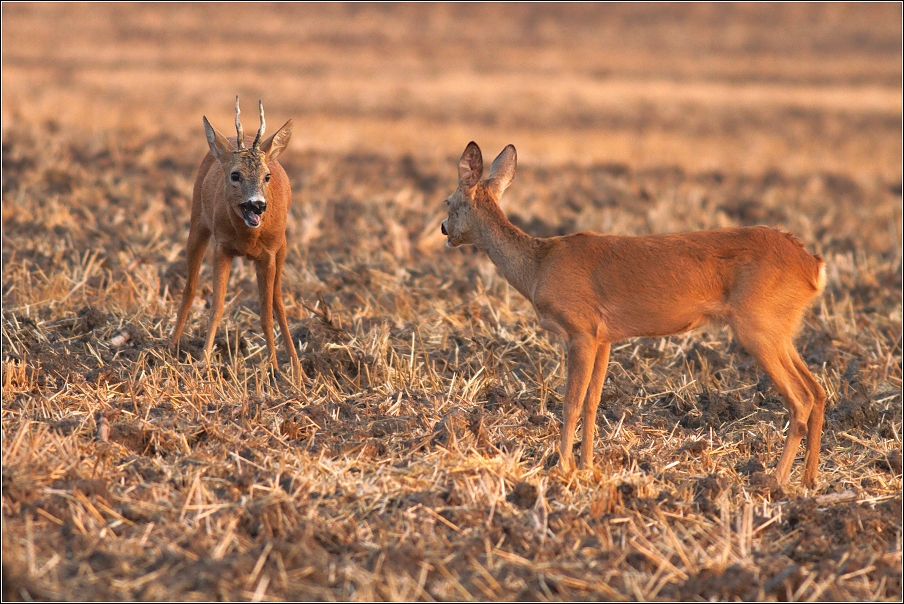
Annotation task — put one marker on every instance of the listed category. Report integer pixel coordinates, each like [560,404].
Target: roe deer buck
[597,289]
[241,198]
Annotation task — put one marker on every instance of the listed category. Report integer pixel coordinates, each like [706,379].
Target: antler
[260,131]
[238,125]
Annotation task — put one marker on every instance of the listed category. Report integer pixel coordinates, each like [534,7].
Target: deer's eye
[235,177]
[267,178]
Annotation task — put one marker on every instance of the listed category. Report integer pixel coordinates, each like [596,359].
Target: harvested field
[419,461]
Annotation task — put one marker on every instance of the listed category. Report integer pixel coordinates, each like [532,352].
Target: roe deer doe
[241,198]
[597,289]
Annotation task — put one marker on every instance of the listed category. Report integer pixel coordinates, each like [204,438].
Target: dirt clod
[749,467]
[716,409]
[453,431]
[694,447]
[523,495]
[735,582]
[498,399]
[855,411]
[88,319]
[767,484]
[891,462]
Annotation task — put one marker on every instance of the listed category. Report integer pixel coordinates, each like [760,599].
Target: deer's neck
[514,252]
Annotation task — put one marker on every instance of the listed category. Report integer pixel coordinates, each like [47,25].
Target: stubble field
[418,462]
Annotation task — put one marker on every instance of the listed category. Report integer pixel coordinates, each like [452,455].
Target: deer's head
[475,199]
[246,170]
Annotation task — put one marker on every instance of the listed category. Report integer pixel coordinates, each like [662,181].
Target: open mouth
[252,219]
[252,213]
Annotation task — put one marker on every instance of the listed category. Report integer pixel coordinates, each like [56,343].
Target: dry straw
[419,463]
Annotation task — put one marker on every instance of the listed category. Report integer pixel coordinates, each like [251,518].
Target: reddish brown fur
[598,289]
[217,212]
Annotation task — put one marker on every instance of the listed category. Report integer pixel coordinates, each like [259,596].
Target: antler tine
[238,125]
[260,131]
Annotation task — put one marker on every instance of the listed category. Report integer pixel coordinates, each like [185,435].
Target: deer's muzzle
[252,211]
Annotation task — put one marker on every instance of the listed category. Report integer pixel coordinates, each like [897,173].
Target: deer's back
[662,284]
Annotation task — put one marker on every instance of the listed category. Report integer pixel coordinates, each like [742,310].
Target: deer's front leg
[581,356]
[198,238]
[266,278]
[222,265]
[594,391]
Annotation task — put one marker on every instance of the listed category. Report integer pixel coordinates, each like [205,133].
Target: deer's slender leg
[266,275]
[776,358]
[800,403]
[581,356]
[222,266]
[594,391]
[198,239]
[280,309]
[814,422]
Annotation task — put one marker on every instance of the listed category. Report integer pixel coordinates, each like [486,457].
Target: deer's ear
[470,166]
[276,144]
[502,172]
[218,144]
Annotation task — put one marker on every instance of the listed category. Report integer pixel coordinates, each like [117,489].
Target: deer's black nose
[256,206]
[443,228]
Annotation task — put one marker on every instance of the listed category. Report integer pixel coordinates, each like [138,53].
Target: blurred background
[730,87]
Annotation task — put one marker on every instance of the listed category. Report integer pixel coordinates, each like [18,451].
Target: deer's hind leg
[776,355]
[814,422]
[799,401]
